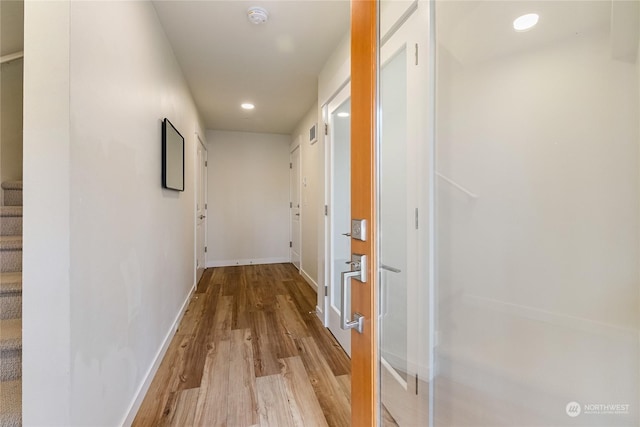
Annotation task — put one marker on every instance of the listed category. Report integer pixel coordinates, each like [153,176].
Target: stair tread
[11,403]
[12,185]
[10,282]
[10,211]
[10,243]
[10,334]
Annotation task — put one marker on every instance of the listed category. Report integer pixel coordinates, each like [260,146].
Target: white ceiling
[227,60]
[478,31]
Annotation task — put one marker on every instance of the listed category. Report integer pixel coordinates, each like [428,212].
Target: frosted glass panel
[393,212]
[537,214]
[341,190]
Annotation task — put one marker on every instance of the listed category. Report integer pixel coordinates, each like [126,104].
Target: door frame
[200,141]
[329,218]
[297,146]
[364,82]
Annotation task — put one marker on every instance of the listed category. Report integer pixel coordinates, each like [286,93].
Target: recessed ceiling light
[247,106]
[343,114]
[525,22]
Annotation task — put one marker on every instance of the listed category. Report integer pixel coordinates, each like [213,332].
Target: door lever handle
[358,320]
[346,234]
[359,271]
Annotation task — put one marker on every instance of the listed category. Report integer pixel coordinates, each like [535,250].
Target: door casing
[201,207]
[295,223]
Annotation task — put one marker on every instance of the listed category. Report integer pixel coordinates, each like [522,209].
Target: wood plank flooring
[250,351]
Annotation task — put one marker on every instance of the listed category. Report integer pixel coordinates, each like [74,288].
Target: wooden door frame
[364,347]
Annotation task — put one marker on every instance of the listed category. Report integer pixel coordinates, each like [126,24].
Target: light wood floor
[251,351]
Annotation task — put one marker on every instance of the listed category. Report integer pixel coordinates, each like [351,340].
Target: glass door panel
[538,218]
[404,336]
[339,112]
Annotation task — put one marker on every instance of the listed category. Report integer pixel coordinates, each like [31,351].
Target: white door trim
[331,313]
[195,205]
[296,151]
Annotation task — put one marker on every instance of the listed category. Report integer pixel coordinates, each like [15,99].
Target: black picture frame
[172,157]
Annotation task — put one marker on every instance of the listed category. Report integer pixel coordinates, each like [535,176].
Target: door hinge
[206,163]
[290,204]
[290,165]
[416,383]
[416,218]
[326,129]
[205,207]
[326,210]
[416,53]
[205,249]
[290,244]
[326,291]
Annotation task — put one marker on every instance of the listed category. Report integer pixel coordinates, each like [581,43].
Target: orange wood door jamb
[364,352]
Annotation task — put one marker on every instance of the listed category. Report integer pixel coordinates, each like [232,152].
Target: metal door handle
[202,217]
[346,234]
[389,268]
[358,320]
[297,214]
[359,263]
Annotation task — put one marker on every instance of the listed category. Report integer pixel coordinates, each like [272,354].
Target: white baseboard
[232,262]
[309,280]
[144,386]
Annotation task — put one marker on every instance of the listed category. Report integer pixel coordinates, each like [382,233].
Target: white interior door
[201,208]
[339,145]
[403,224]
[294,205]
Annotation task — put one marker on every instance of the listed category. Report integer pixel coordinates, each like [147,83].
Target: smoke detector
[257,15]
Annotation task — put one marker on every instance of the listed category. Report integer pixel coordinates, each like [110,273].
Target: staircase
[11,305]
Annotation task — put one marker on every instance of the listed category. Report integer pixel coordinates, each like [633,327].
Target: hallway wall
[109,254]
[248,197]
[312,189]
[11,41]
[11,122]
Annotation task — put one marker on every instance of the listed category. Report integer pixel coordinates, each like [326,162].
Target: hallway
[250,351]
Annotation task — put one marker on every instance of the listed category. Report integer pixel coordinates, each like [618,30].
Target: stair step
[10,283]
[10,295]
[11,403]
[12,193]
[10,349]
[12,185]
[10,254]
[10,243]
[10,220]
[10,335]
[10,211]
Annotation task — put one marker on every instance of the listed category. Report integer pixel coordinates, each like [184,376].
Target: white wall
[46,295]
[248,186]
[312,190]
[11,94]
[11,121]
[544,264]
[109,255]
[335,72]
